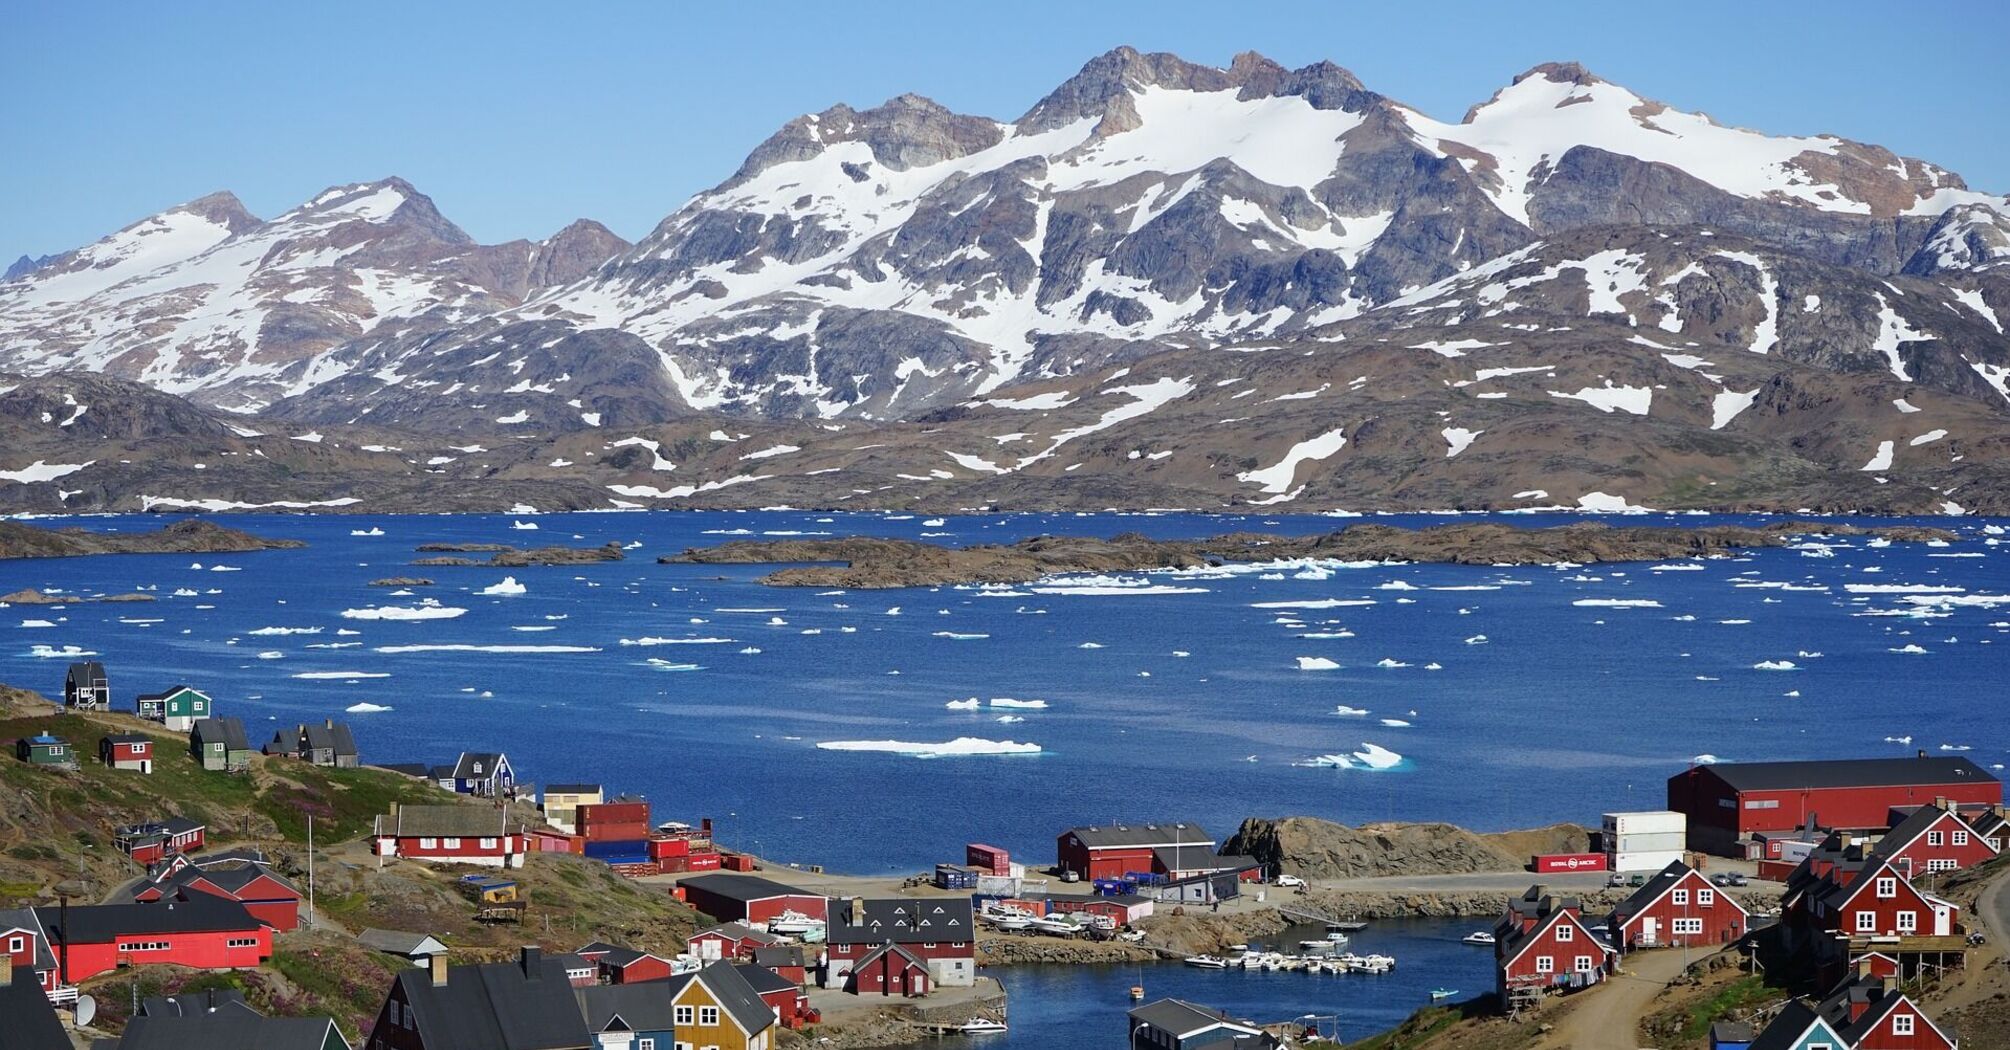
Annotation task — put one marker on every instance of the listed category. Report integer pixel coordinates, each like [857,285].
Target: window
[928,944]
[683,1015]
[450,844]
[425,843]
[392,1011]
[1584,964]
[16,944]
[241,942]
[645,1043]
[1908,922]
[1887,888]
[1866,922]
[1936,838]
[1566,932]
[488,843]
[708,1017]
[1961,838]
[1545,964]
[1941,864]
[1680,898]
[1706,898]
[1901,1024]
[956,944]
[1762,803]
[1690,927]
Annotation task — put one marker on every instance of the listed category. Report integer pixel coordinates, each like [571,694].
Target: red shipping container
[673,865]
[736,862]
[1567,862]
[701,862]
[661,848]
[992,859]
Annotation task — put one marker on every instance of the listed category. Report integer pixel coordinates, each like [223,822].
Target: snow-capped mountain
[209,300]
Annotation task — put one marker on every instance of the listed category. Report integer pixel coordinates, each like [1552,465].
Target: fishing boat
[1321,947]
[981,1026]
[1439,995]
[1137,993]
[1207,962]
[1478,937]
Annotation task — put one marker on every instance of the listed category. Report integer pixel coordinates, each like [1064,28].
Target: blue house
[1798,1028]
[484,774]
[630,1016]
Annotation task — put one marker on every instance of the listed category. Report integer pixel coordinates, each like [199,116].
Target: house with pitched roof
[220,744]
[715,1006]
[25,954]
[730,941]
[784,996]
[43,749]
[267,895]
[158,839]
[1798,1027]
[1110,851]
[133,751]
[527,1004]
[1175,1024]
[204,932]
[1933,839]
[1542,945]
[619,964]
[451,834]
[939,931]
[32,1023]
[1678,907]
[483,774]
[177,707]
[226,1023]
[1869,1013]
[86,688]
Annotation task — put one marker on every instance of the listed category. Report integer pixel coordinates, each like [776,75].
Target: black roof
[170,691]
[1142,835]
[1176,1016]
[571,789]
[901,920]
[646,1007]
[523,1005]
[771,955]
[1199,858]
[228,729]
[126,738]
[231,1029]
[742,888]
[88,670]
[26,919]
[334,736]
[763,980]
[1653,888]
[99,923]
[1912,827]
[464,767]
[1852,772]
[31,1018]
[1786,1028]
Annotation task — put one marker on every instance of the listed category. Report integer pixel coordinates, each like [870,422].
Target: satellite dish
[87,1010]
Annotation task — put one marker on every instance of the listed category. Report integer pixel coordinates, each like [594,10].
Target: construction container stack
[617,832]
[681,848]
[1644,841]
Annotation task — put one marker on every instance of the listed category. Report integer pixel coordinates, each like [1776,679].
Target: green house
[178,708]
[220,744]
[45,750]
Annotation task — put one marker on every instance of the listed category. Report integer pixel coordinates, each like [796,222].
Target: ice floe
[458,647]
[960,747]
[336,676]
[1316,663]
[506,586]
[366,708]
[429,609]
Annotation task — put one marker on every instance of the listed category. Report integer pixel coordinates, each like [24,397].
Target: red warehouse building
[205,933]
[750,898]
[1728,803]
[1542,944]
[1932,839]
[1677,908]
[1109,851]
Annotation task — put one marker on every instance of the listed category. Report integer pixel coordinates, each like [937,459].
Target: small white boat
[981,1026]
[794,922]
[1012,922]
[1057,927]
[1478,937]
[1207,962]
[1439,995]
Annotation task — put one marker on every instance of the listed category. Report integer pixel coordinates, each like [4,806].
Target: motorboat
[1439,995]
[794,922]
[1207,962]
[1008,921]
[1478,937]
[981,1026]
[1057,927]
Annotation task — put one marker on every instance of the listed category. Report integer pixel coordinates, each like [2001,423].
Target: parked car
[1290,880]
[1615,879]
[1730,878]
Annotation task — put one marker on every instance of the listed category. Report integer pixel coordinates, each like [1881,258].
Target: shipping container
[620,820]
[1648,822]
[955,877]
[998,885]
[1567,862]
[1635,862]
[625,849]
[736,862]
[601,831]
[701,862]
[1647,842]
[661,848]
[993,860]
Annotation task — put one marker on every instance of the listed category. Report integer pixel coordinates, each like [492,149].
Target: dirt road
[1608,1017]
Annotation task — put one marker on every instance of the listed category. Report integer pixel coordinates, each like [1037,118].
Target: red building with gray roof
[1728,803]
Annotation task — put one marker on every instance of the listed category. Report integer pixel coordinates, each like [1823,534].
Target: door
[1650,930]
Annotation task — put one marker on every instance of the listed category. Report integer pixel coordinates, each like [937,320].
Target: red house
[733,940]
[1542,945]
[889,969]
[750,898]
[127,751]
[1727,803]
[473,834]
[205,932]
[1677,907]
[1110,851]
[1934,839]
[1880,902]
[1870,1013]
[790,1004]
[786,961]
[269,897]
[938,931]
[25,946]
[152,841]
[615,964]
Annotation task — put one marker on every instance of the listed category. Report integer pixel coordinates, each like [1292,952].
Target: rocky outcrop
[871,562]
[19,540]
[503,556]
[1320,849]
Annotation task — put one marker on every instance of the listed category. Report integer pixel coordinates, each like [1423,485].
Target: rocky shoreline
[866,563]
[503,556]
[195,536]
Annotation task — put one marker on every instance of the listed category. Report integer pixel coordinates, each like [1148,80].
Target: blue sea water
[1191,706]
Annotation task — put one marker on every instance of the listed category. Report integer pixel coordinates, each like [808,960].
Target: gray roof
[1856,772]
[332,736]
[740,931]
[229,730]
[31,1019]
[1786,1028]
[396,942]
[522,1005]
[763,980]
[742,888]
[646,1007]
[170,691]
[26,919]
[1142,835]
[100,923]
[1199,858]
[901,920]
[737,996]
[1912,827]
[231,1030]
[1177,1016]
[448,821]
[489,760]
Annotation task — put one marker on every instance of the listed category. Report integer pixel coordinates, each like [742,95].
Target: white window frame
[1584,964]
[1679,898]
[451,843]
[647,1042]
[488,843]
[1565,932]
[1908,922]
[1961,838]
[684,1014]
[17,944]
[1545,964]
[1706,898]
[708,1017]
[1887,887]
[1936,838]
[1686,927]
[1866,922]
[1901,1024]
[426,843]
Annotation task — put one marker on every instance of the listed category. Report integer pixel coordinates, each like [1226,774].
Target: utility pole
[310,871]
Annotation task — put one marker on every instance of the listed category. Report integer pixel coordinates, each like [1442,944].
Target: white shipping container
[1647,843]
[1649,861]
[1648,822]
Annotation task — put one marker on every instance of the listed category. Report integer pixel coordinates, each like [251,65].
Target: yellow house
[562,802]
[716,1009]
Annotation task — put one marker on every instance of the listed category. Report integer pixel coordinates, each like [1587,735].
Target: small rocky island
[866,563]
[502,555]
[194,536]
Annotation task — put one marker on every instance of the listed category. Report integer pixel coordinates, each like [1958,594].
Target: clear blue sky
[517,118]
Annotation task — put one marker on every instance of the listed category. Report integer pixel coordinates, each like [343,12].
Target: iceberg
[508,586]
[971,704]
[1616,603]
[1028,705]
[67,652]
[465,648]
[1316,663]
[647,641]
[959,747]
[1776,665]
[958,637]
[426,610]
[1343,709]
[337,676]
[366,708]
